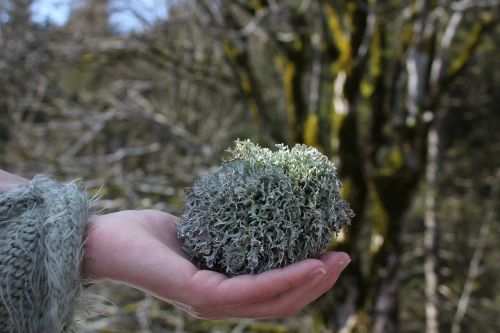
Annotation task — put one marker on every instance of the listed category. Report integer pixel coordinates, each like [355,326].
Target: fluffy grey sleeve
[42,229]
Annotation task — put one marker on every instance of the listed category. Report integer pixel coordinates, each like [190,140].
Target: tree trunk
[474,266]
[386,303]
[431,233]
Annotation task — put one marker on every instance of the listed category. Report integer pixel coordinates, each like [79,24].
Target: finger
[288,302]
[217,289]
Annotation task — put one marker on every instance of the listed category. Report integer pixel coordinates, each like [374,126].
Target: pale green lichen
[263,209]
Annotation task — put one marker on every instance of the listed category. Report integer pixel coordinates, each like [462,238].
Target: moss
[394,162]
[288,77]
[342,43]
[311,131]
[263,327]
[262,210]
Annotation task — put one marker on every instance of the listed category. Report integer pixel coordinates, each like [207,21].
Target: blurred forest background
[404,95]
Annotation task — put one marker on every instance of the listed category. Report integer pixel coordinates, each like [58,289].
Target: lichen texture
[262,209]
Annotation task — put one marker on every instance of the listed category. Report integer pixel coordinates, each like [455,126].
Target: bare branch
[462,6]
[449,34]
[117,156]
[474,268]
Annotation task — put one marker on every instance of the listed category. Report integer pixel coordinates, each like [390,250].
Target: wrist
[93,269]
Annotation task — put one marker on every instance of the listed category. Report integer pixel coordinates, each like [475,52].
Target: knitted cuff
[42,229]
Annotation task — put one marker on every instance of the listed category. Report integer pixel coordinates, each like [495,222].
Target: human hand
[141,249]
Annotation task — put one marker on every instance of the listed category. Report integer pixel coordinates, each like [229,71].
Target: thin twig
[477,256]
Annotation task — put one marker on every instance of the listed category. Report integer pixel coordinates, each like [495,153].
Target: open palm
[141,249]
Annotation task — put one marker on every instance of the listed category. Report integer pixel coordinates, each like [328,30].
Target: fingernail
[317,272]
[344,261]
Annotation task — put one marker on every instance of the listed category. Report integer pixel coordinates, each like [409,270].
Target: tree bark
[431,233]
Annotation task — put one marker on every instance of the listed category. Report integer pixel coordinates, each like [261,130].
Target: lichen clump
[263,209]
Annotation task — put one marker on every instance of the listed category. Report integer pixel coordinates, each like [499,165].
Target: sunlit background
[124,16]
